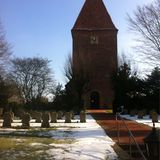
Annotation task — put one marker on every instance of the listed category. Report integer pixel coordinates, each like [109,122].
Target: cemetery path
[109,124]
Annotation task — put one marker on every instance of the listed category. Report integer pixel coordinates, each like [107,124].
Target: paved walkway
[109,124]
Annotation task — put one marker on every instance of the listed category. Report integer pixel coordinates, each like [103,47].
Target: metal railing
[131,137]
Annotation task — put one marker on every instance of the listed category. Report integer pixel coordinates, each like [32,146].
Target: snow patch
[91,142]
[146,120]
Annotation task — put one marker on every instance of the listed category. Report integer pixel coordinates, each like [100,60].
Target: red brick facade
[95,47]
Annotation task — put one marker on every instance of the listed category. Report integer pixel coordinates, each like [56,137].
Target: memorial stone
[12,115]
[154,117]
[53,117]
[1,111]
[72,114]
[140,114]
[7,119]
[38,117]
[45,120]
[150,113]
[60,115]
[82,116]
[26,120]
[67,117]
[133,112]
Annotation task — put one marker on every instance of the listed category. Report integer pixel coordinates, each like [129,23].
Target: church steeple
[95,52]
[94,15]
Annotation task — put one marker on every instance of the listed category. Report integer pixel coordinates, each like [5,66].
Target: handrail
[130,136]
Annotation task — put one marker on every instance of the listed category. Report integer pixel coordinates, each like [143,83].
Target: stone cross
[45,120]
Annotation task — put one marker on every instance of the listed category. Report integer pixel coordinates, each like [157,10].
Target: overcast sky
[43,27]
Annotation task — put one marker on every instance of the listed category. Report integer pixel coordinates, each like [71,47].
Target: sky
[43,27]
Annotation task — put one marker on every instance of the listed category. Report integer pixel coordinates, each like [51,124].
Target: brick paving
[109,124]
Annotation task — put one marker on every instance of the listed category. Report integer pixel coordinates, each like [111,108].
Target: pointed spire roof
[93,16]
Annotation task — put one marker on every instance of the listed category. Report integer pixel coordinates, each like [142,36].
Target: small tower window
[94,40]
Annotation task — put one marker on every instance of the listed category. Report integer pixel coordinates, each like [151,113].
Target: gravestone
[7,119]
[144,112]
[72,114]
[19,113]
[12,115]
[154,116]
[67,117]
[53,117]
[33,114]
[1,111]
[140,114]
[82,116]
[45,120]
[26,120]
[60,115]
[133,112]
[150,113]
[38,117]
[125,111]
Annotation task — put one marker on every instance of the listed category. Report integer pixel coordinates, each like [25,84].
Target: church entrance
[94,100]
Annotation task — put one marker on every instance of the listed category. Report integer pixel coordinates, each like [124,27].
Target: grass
[12,148]
[6,144]
[18,148]
[30,144]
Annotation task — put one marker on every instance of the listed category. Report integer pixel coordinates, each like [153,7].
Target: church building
[95,48]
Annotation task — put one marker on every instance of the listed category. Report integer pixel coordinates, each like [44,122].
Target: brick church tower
[95,49]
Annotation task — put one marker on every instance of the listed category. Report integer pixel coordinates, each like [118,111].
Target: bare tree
[7,90]
[33,77]
[68,68]
[5,49]
[78,79]
[123,58]
[146,24]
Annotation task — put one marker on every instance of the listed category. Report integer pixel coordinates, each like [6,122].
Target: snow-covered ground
[146,120]
[90,141]
[82,141]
